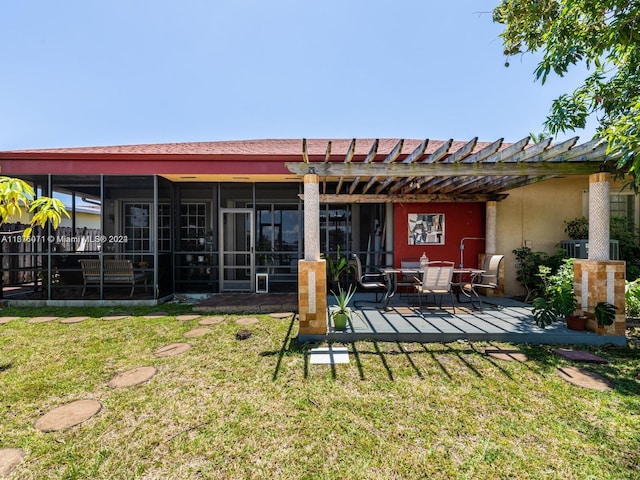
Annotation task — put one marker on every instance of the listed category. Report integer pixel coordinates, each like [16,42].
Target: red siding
[461,220]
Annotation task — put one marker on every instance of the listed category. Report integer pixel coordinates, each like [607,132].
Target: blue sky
[115,72]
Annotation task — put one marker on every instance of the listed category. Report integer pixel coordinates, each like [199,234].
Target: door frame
[230,230]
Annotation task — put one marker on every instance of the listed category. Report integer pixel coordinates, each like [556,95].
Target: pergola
[454,172]
[444,171]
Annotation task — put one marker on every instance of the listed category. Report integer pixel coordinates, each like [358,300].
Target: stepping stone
[9,459]
[172,349]
[281,315]
[41,319]
[114,317]
[580,356]
[211,320]
[513,355]
[187,317]
[68,415]
[73,319]
[585,378]
[247,321]
[197,332]
[132,377]
[4,320]
[329,355]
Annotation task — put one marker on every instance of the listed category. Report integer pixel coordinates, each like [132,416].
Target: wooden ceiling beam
[347,159]
[407,198]
[436,156]
[392,157]
[415,155]
[373,151]
[450,169]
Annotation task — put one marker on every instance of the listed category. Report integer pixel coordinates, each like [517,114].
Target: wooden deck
[500,319]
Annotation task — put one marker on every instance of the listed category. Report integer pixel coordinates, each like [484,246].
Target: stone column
[490,227]
[599,216]
[599,279]
[490,241]
[312,270]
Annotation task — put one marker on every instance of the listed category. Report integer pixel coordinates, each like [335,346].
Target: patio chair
[408,281]
[436,280]
[369,280]
[489,279]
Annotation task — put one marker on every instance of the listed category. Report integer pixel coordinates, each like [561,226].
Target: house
[208,217]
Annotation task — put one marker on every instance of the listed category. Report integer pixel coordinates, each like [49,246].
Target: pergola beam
[558,167]
[347,159]
[466,171]
[372,154]
[415,155]
[395,153]
[408,198]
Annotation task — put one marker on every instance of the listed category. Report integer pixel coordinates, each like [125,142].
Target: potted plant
[605,314]
[342,312]
[558,300]
[337,267]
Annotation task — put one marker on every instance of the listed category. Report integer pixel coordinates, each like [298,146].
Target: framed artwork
[426,228]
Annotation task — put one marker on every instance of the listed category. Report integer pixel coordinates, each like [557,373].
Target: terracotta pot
[576,322]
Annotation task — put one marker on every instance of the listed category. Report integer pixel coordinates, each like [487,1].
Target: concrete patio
[500,319]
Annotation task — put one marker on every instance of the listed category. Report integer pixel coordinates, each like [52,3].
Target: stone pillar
[312,271]
[598,281]
[599,216]
[490,227]
[490,241]
[311,217]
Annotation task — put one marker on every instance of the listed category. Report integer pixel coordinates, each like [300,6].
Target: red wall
[461,220]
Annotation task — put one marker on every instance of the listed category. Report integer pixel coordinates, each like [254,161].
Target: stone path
[78,411]
[9,459]
[4,320]
[132,377]
[584,378]
[197,332]
[71,320]
[68,415]
[579,356]
[508,354]
[172,349]
[247,321]
[211,320]
[41,319]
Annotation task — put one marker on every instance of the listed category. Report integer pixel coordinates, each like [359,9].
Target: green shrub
[632,298]
[625,231]
[528,265]
[577,229]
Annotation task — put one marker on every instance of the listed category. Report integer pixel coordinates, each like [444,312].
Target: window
[137,229]
[193,224]
[623,206]
[164,227]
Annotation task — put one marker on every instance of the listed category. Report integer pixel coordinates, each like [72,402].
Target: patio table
[391,279]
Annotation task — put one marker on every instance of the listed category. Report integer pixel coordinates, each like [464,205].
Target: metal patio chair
[369,280]
[436,280]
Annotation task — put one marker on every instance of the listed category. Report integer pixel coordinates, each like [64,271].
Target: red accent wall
[461,220]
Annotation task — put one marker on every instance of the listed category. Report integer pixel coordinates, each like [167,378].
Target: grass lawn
[257,408]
